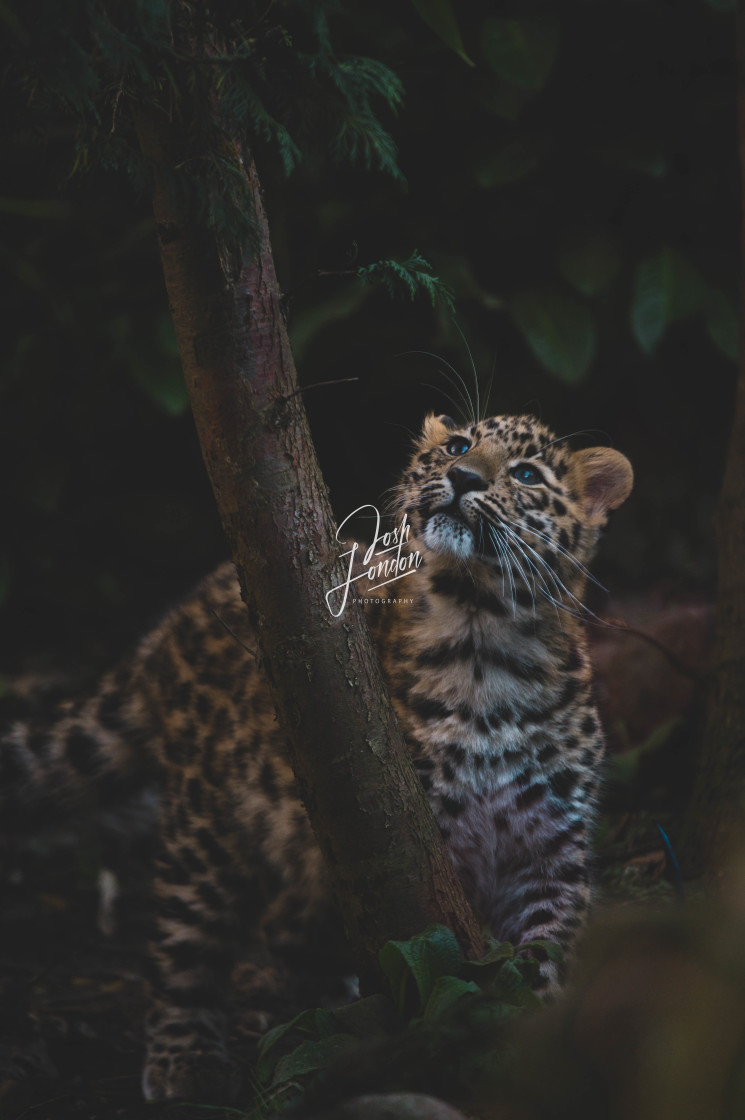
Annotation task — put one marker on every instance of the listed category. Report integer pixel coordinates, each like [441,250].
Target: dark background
[576,189]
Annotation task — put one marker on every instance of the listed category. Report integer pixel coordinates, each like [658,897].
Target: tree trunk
[716,822]
[390,869]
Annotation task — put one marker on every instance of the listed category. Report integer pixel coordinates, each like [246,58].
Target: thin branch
[253,652]
[318,384]
[676,662]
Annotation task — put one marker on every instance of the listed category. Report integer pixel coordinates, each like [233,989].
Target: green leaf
[311,1056]
[422,959]
[514,974]
[44,487]
[370,1016]
[667,287]
[590,263]
[722,5]
[513,160]
[553,951]
[490,1013]
[316,1021]
[439,15]
[503,99]
[398,966]
[164,384]
[723,323]
[499,951]
[525,999]
[153,362]
[623,767]
[447,991]
[441,949]
[560,332]
[487,967]
[456,272]
[635,155]
[522,51]
[165,336]
[305,326]
[10,19]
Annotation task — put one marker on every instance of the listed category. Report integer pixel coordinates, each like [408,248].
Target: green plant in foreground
[438,1028]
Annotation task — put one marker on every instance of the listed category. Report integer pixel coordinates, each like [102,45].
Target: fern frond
[362,139]
[276,79]
[358,79]
[410,277]
[239,102]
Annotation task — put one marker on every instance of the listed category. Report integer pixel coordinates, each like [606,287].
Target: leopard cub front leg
[550,904]
[545,893]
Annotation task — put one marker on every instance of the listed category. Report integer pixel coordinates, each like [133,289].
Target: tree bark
[391,872]
[716,822]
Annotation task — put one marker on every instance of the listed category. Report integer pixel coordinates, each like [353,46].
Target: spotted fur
[488,669]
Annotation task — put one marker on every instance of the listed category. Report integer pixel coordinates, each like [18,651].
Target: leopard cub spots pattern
[489,674]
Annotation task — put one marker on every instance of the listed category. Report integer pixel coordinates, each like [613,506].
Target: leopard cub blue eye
[458,445]
[528,475]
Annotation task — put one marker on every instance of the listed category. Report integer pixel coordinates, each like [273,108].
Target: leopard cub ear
[604,477]
[436,428]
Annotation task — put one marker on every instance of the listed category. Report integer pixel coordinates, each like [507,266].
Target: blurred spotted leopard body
[488,671]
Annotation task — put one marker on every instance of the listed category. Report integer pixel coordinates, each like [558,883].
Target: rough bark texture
[717,816]
[391,871]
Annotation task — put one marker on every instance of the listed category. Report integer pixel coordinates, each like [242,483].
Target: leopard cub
[487,666]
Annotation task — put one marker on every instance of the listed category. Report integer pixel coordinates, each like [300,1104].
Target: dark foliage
[582,219]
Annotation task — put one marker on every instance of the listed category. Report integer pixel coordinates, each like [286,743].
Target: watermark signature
[384,560]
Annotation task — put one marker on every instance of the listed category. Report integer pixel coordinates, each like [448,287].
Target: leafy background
[571,175]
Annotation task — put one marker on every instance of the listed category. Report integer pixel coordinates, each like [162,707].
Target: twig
[320,274]
[261,19]
[336,272]
[675,661]
[233,634]
[318,384]
[115,106]
[610,857]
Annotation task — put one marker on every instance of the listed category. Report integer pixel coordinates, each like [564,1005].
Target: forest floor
[72,999]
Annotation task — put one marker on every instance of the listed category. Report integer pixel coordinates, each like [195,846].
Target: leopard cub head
[506,492]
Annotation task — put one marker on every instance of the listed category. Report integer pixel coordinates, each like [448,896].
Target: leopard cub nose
[463,480]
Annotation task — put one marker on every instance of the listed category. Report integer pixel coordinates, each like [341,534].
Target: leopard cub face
[506,490]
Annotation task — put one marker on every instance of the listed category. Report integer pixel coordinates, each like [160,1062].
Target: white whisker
[564,552]
[478,415]
[560,439]
[437,389]
[542,569]
[560,586]
[453,370]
